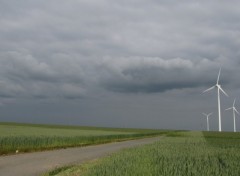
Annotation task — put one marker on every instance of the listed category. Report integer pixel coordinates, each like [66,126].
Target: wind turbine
[207,115]
[219,88]
[234,110]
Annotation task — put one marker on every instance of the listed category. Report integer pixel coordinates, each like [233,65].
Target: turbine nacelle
[216,86]
[207,115]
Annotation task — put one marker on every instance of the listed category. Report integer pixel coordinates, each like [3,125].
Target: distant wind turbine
[207,115]
[219,88]
[234,110]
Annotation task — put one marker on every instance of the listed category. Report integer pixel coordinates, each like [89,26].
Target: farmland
[179,153]
[27,138]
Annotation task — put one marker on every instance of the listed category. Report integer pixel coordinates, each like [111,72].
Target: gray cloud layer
[88,49]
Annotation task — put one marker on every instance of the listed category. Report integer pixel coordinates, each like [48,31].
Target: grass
[28,138]
[182,153]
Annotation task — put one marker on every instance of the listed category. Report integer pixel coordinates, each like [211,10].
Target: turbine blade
[228,109]
[223,91]
[234,102]
[219,75]
[236,110]
[209,89]
[210,114]
[204,114]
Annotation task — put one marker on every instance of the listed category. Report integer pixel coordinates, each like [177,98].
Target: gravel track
[35,164]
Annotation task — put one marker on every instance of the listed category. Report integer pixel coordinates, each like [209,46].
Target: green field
[26,138]
[177,154]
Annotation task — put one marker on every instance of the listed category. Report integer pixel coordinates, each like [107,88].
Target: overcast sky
[127,63]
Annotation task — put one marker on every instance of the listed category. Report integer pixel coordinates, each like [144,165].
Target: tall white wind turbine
[207,115]
[234,110]
[219,88]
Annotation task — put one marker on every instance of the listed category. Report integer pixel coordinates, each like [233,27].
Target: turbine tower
[219,88]
[234,110]
[207,115]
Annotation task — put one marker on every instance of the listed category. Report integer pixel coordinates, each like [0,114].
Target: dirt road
[35,164]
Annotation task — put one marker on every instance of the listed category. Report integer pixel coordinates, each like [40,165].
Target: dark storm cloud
[23,75]
[150,75]
[49,47]
[153,74]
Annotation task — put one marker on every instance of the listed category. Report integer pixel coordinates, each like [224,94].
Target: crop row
[192,154]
